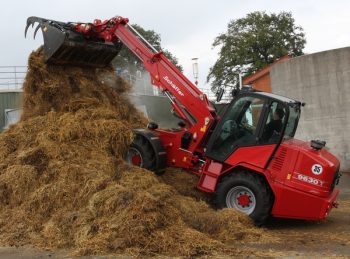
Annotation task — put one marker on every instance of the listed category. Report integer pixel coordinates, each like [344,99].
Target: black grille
[336,178]
[279,159]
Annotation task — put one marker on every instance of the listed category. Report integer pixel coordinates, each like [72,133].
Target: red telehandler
[247,158]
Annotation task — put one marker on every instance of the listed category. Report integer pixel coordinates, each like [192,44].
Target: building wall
[263,83]
[322,81]
[261,80]
[9,100]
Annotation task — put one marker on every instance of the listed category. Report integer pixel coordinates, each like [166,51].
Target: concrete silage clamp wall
[322,81]
[156,108]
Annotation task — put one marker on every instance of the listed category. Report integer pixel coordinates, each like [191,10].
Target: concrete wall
[156,108]
[322,81]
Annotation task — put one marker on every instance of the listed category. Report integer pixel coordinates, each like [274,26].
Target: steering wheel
[246,129]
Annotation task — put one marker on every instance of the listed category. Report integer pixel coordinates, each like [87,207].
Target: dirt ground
[327,239]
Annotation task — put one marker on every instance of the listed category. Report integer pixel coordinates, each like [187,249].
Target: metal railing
[12,77]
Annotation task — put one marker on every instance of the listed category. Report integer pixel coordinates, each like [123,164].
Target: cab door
[240,137]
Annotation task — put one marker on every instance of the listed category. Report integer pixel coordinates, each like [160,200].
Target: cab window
[239,127]
[273,127]
[294,114]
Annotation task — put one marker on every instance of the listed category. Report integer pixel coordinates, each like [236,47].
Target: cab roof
[277,97]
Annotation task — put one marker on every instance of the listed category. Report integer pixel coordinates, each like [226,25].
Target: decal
[174,86]
[308,179]
[317,169]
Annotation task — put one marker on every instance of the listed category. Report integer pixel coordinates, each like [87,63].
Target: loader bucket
[64,46]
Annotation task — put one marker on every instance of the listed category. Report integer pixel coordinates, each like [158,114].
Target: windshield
[238,127]
[294,114]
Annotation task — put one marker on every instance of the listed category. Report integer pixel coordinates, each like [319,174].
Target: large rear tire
[141,153]
[246,192]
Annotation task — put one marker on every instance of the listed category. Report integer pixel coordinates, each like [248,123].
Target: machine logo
[317,169]
[174,86]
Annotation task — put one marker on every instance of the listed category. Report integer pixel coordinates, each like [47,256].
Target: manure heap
[64,184]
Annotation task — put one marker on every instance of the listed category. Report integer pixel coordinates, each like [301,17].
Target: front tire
[246,192]
[141,153]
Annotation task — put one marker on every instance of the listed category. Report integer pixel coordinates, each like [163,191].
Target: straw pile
[63,182]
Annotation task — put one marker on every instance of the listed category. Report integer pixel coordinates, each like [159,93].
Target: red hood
[321,155]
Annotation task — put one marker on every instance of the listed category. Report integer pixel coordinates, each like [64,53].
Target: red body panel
[306,158]
[176,156]
[256,156]
[293,203]
[299,193]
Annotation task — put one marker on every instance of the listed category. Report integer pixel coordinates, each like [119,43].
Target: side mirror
[219,94]
[235,92]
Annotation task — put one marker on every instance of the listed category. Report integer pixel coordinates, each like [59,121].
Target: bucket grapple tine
[31,21]
[64,45]
[36,29]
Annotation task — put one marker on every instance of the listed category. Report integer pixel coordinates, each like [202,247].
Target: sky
[187,28]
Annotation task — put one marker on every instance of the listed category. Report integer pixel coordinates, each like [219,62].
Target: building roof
[250,79]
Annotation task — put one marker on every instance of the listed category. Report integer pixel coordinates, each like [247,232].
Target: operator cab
[253,119]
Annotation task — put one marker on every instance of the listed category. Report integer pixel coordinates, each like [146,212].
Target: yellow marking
[184,159]
[289,176]
[203,129]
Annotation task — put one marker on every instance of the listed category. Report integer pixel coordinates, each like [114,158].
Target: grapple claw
[63,45]
[31,21]
[36,29]
[26,29]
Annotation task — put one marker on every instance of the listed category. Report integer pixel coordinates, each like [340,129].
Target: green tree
[251,43]
[127,60]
